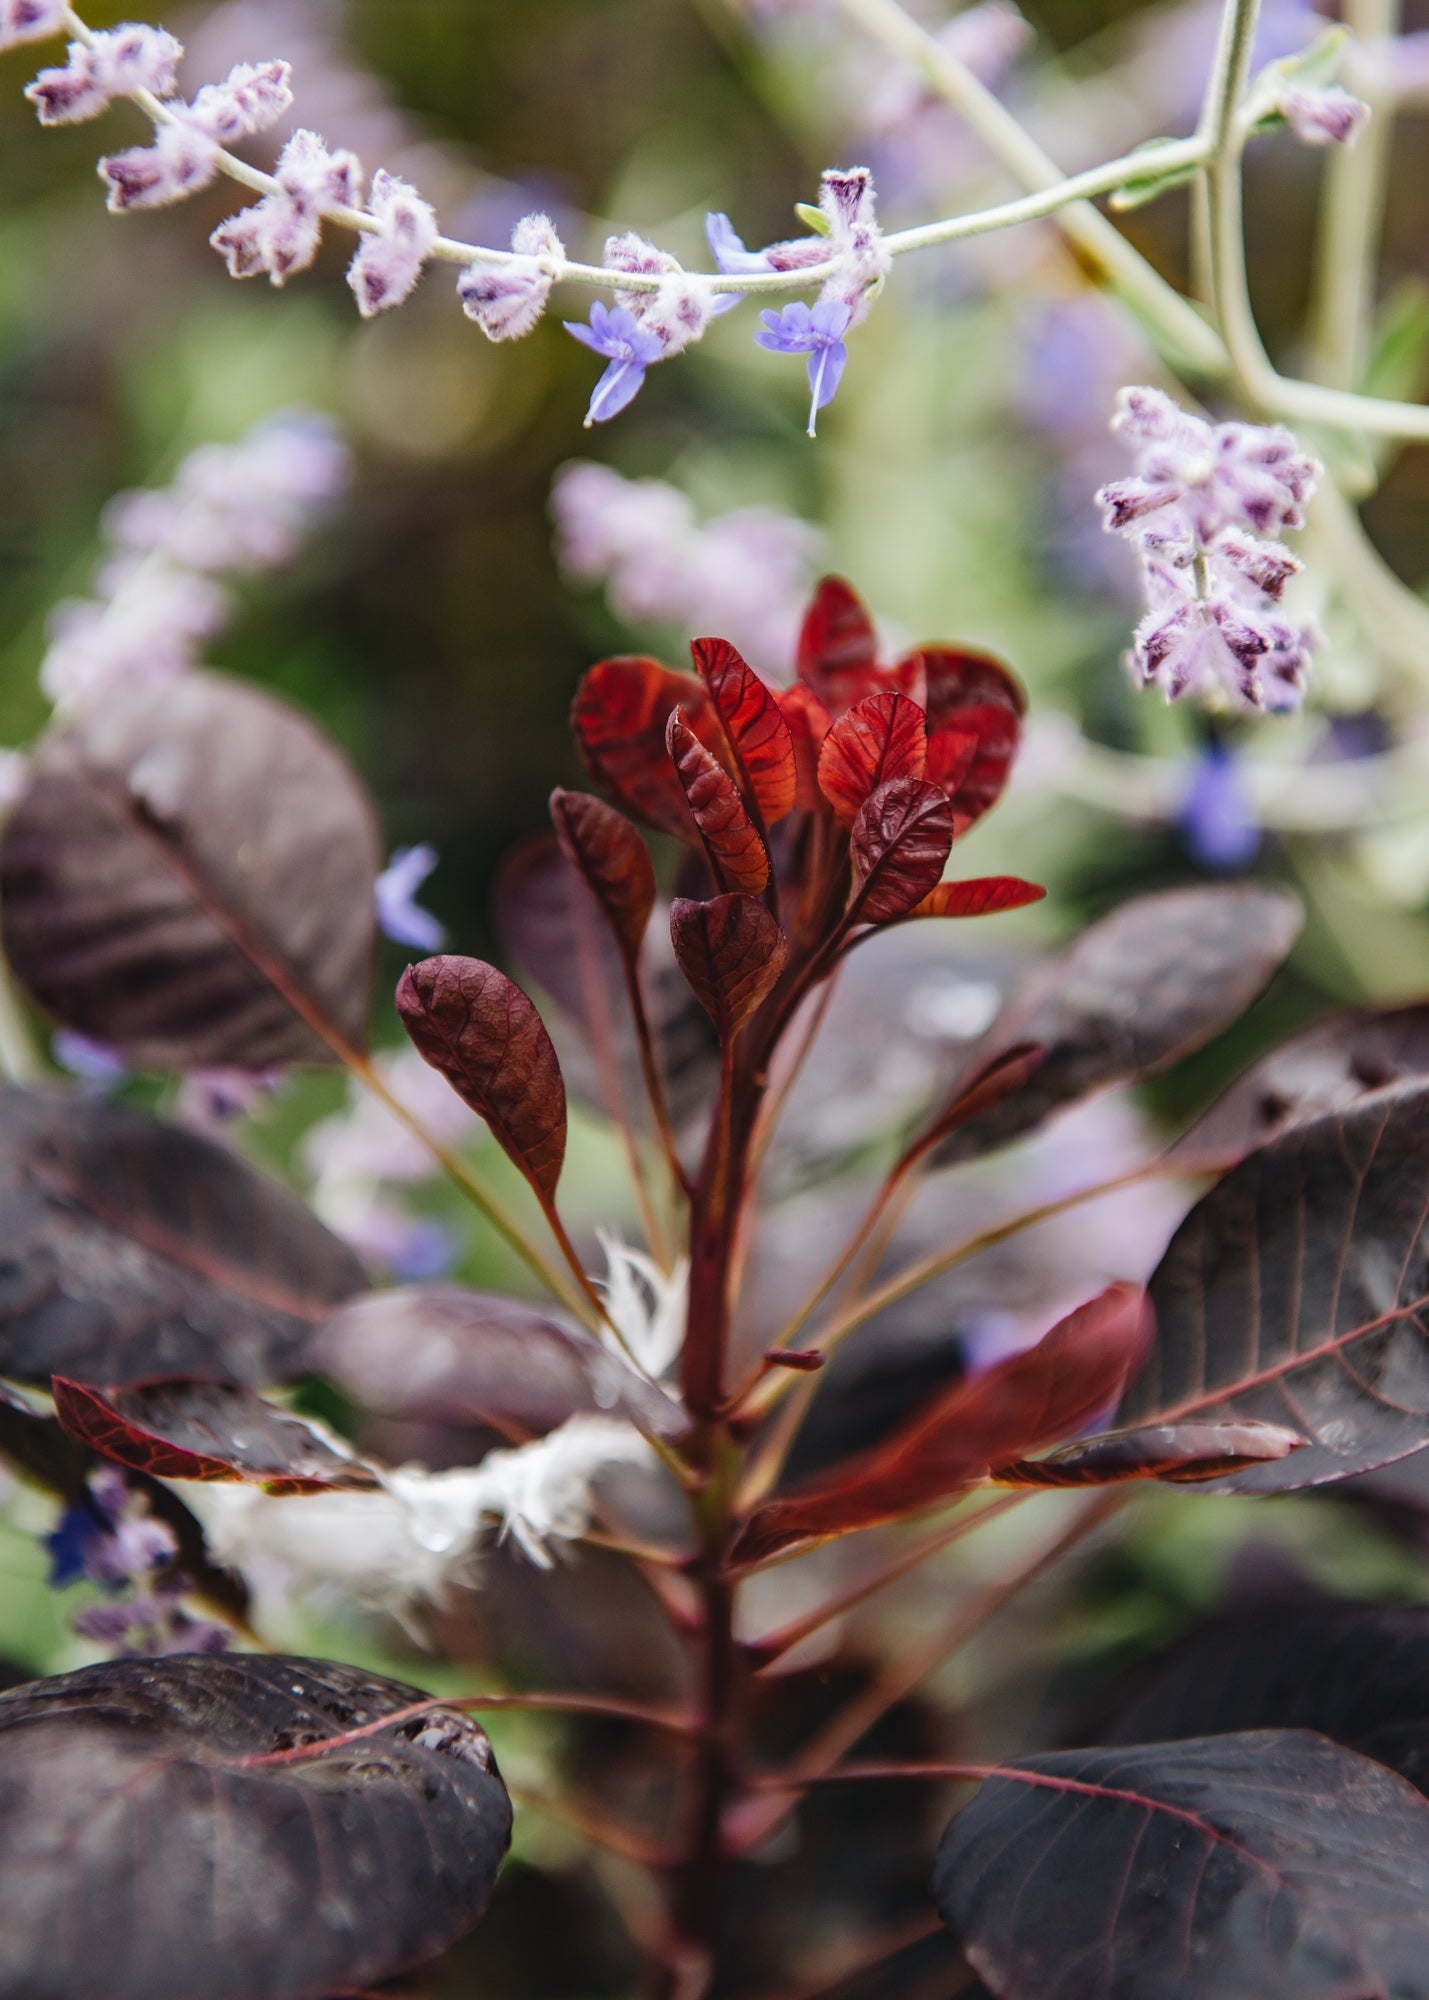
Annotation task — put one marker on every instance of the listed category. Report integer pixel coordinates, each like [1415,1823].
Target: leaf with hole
[884,736]
[732,952]
[188,876]
[735,850]
[754,727]
[900,843]
[193,1866]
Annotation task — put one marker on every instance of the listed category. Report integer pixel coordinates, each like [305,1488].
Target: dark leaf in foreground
[732,951]
[444,1354]
[883,737]
[612,860]
[1296,1292]
[485,1036]
[189,876]
[131,1249]
[1178,1452]
[1265,1866]
[1145,986]
[900,844]
[189,1869]
[968,1431]
[204,1430]
[754,726]
[732,843]
[619,717]
[1358,1673]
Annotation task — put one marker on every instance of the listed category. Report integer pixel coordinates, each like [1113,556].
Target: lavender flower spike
[390,260]
[29,21]
[399,915]
[114,64]
[817,331]
[507,300]
[629,348]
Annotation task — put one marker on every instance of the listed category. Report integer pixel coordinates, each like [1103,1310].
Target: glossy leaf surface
[485,1036]
[731,951]
[619,718]
[447,1354]
[899,844]
[754,725]
[1296,1292]
[735,850]
[1181,1453]
[883,736]
[189,876]
[971,694]
[838,647]
[611,859]
[1145,986]
[969,1430]
[983,896]
[190,1869]
[809,723]
[1270,1865]
[134,1249]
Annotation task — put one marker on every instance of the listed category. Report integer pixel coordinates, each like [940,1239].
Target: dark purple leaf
[731,840]
[1182,1453]
[131,1249]
[479,1029]
[444,1354]
[189,1868]
[732,952]
[900,844]
[1145,986]
[611,859]
[189,878]
[204,1430]
[1296,1292]
[1271,1865]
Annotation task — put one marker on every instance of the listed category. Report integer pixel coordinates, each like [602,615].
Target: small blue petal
[830,317]
[70,1543]
[398,913]
[826,369]
[617,387]
[95,1061]
[728,249]
[1216,818]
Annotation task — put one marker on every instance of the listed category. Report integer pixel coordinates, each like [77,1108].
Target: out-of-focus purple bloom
[507,300]
[30,21]
[1327,117]
[91,1061]
[280,234]
[398,913]
[251,97]
[728,249]
[110,1539]
[818,332]
[112,65]
[1217,818]
[390,259]
[181,160]
[211,1100]
[615,333]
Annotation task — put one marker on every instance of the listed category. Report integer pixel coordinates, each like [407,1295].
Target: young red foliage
[980,897]
[731,951]
[612,860]
[900,844]
[485,1036]
[971,694]
[838,647]
[731,839]
[970,1431]
[755,730]
[619,717]
[809,723]
[883,736]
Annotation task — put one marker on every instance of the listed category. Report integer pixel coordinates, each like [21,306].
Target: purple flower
[29,21]
[181,160]
[251,97]
[398,913]
[629,348]
[389,261]
[1328,117]
[91,1061]
[507,300]
[731,256]
[210,1100]
[818,332]
[114,64]
[280,233]
[1217,818]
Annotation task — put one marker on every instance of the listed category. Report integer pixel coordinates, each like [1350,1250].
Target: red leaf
[884,736]
[735,850]
[900,845]
[838,648]
[619,717]
[951,755]
[971,694]
[204,1430]
[971,1430]
[809,723]
[481,1031]
[732,952]
[1181,1453]
[981,897]
[754,726]
[612,860]
[959,680]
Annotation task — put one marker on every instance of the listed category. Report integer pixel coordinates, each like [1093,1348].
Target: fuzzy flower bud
[1328,117]
[252,97]
[507,300]
[390,260]
[29,21]
[280,233]
[846,199]
[113,65]
[181,160]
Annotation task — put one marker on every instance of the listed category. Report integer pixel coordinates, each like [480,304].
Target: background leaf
[838,647]
[732,952]
[754,726]
[188,1870]
[612,860]
[621,710]
[189,877]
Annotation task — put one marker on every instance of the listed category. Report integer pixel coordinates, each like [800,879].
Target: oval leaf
[970,1430]
[1145,986]
[1295,1292]
[190,1868]
[485,1036]
[444,1354]
[884,736]
[189,877]
[981,897]
[754,727]
[971,695]
[1265,1866]
[621,710]
[732,952]
[611,859]
[838,647]
[900,845]
[1178,1452]
[735,850]
[133,1249]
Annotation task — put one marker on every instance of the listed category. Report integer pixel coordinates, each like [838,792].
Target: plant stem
[1351,216]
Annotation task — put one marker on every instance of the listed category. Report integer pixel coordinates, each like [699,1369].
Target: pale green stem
[1351,221]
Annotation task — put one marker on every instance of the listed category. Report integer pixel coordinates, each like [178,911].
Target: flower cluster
[644,326]
[230,510]
[1204,508]
[109,1538]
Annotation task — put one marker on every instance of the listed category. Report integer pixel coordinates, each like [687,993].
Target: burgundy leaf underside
[611,859]
[732,951]
[732,843]
[900,843]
